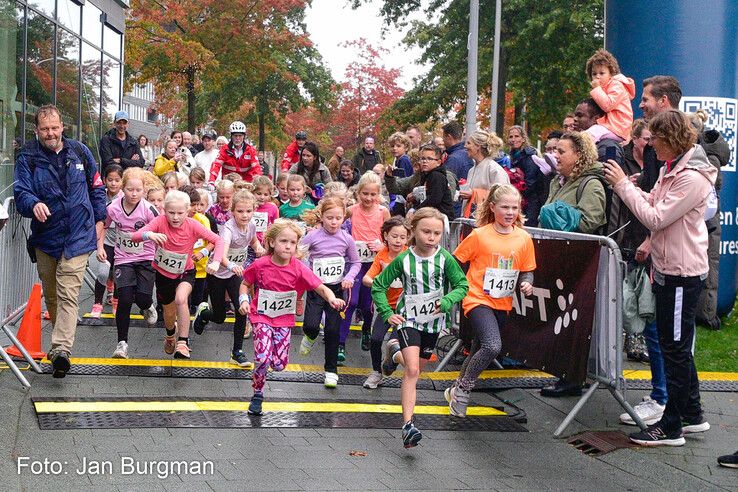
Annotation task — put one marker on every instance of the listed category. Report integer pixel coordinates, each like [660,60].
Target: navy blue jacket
[70,230]
[535,193]
[111,148]
[458,161]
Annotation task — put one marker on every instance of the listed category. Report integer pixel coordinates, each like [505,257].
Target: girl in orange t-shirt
[395,233]
[501,260]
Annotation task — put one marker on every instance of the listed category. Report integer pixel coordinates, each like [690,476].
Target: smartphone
[610,153]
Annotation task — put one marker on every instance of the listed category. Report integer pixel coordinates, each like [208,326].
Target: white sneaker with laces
[374,380]
[150,315]
[306,345]
[121,351]
[331,380]
[650,411]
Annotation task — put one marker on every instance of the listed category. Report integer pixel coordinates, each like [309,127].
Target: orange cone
[29,334]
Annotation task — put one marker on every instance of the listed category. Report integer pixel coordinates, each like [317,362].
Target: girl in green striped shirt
[432,283]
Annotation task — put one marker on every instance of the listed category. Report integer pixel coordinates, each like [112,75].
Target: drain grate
[599,443]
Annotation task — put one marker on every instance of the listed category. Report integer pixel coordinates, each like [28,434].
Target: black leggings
[126,297]
[198,294]
[314,309]
[379,331]
[100,288]
[217,312]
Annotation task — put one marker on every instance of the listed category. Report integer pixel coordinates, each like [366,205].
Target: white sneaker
[121,351]
[374,380]
[150,315]
[648,410]
[331,380]
[306,345]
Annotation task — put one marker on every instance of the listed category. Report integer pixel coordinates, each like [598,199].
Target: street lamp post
[471,81]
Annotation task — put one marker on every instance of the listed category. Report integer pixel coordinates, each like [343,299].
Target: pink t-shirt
[180,241]
[272,214]
[127,251]
[264,274]
[366,226]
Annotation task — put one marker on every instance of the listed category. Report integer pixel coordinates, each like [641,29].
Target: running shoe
[331,380]
[121,351]
[341,354]
[459,400]
[170,343]
[389,365]
[183,351]
[729,460]
[60,363]
[366,341]
[306,345]
[239,358]
[695,425]
[374,380]
[199,323]
[650,412]
[150,315]
[655,435]
[96,311]
[255,405]
[411,436]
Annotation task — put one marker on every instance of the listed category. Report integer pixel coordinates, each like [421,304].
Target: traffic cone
[29,334]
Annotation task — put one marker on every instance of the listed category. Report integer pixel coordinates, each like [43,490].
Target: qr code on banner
[722,116]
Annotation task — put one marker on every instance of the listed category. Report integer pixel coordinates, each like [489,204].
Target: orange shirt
[379,264]
[483,248]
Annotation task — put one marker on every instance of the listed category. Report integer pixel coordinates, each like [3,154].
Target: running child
[221,210]
[197,177]
[395,233]
[134,276]
[278,279]
[367,217]
[297,204]
[612,91]
[170,181]
[175,234]
[238,234]
[113,180]
[501,260]
[281,197]
[334,260]
[266,211]
[432,283]
[201,250]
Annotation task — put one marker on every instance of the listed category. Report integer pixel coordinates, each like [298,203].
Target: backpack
[602,231]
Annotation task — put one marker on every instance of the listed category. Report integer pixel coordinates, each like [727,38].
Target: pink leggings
[271,349]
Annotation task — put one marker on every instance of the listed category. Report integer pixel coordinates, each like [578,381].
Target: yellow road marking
[241,406]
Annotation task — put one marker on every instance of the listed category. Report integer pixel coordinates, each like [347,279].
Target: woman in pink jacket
[674,213]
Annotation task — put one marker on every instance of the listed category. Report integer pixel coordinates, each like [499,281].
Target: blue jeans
[658,376]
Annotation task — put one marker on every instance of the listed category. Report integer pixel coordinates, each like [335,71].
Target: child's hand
[347,284]
[238,270]
[396,320]
[595,83]
[102,256]
[197,257]
[259,250]
[337,304]
[526,288]
[158,238]
[375,246]
[244,308]
[212,268]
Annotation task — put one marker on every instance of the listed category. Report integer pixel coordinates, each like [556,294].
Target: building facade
[144,120]
[63,52]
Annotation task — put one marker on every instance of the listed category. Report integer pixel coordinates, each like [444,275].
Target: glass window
[110,89]
[112,41]
[48,7]
[91,69]
[12,18]
[69,15]
[67,81]
[91,25]
[40,69]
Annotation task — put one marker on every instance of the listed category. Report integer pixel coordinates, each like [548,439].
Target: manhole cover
[599,443]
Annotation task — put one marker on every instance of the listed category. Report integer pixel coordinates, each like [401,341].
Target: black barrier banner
[551,329]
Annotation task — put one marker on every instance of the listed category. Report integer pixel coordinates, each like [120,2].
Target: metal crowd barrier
[17,276]
[605,364]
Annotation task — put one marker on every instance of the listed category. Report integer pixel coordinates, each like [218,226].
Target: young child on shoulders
[612,91]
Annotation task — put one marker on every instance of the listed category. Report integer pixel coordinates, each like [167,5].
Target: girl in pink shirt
[278,279]
[175,235]
[612,91]
[266,211]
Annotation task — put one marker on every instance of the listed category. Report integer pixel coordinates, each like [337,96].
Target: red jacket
[247,166]
[291,156]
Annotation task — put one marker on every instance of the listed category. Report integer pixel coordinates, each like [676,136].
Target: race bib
[260,220]
[329,270]
[274,304]
[421,308]
[500,283]
[237,255]
[419,194]
[366,255]
[124,243]
[170,261]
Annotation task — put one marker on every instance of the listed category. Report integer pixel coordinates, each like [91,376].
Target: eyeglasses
[646,139]
[428,159]
[569,127]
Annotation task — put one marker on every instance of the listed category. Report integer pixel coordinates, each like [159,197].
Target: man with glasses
[570,123]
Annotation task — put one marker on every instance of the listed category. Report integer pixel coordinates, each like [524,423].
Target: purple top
[321,244]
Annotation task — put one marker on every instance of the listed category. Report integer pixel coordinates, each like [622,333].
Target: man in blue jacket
[58,187]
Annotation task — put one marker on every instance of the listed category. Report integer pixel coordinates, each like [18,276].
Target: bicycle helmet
[238,127]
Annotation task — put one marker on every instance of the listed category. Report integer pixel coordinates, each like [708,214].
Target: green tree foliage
[545,47]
